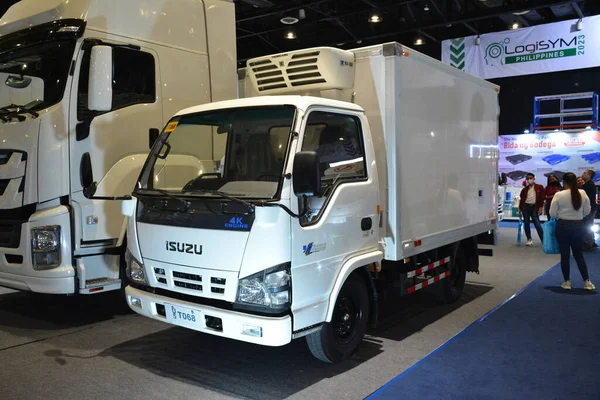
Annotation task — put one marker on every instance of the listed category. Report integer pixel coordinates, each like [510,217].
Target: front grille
[10,225]
[6,154]
[3,185]
[192,282]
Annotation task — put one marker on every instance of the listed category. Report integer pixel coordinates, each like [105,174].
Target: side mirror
[100,91]
[307,174]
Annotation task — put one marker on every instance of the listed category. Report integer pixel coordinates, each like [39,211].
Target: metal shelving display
[570,118]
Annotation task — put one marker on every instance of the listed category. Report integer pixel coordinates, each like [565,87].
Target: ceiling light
[289,20]
[515,25]
[522,12]
[426,8]
[478,40]
[290,35]
[301,13]
[419,41]
[375,18]
[579,25]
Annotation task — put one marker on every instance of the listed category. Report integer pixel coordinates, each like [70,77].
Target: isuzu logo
[184,247]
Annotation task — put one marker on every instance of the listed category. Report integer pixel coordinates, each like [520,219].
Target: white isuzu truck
[85,88]
[384,169]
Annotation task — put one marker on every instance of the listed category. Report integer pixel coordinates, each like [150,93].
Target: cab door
[343,221]
[115,142]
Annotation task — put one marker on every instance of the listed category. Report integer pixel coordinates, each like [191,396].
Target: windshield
[35,76]
[240,152]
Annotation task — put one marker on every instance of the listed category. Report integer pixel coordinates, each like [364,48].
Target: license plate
[183,316]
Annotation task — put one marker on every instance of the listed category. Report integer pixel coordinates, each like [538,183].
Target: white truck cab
[380,167]
[85,87]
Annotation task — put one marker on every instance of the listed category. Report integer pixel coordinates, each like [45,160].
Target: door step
[100,285]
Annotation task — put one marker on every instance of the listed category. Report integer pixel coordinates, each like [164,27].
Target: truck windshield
[34,77]
[239,152]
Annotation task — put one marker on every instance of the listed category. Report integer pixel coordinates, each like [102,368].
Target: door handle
[153,135]
[366,224]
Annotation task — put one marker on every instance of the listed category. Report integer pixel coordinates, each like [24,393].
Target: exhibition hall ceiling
[272,26]
[269,26]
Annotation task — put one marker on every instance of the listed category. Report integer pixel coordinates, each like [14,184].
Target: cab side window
[337,139]
[134,80]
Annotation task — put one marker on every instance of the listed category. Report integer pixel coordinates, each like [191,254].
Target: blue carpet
[543,343]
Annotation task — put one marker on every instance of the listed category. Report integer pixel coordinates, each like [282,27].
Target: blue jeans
[569,235]
[530,213]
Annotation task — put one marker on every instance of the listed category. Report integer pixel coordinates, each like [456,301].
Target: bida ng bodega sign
[539,49]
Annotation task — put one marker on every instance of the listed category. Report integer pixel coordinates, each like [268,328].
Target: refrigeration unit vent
[302,71]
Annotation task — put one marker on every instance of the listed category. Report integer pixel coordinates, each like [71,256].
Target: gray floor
[93,348]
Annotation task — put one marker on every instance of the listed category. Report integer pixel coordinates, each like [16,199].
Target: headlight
[45,247]
[271,288]
[135,269]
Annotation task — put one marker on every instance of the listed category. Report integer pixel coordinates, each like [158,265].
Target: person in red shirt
[552,188]
[531,206]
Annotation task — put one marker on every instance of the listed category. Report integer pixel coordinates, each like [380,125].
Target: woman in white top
[570,206]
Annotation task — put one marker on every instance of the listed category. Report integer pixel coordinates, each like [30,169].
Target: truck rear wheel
[452,287]
[339,339]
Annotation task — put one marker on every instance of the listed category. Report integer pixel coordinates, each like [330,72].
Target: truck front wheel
[339,339]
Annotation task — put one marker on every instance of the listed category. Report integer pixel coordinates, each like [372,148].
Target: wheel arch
[355,265]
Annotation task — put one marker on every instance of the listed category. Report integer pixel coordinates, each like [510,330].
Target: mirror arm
[89,43]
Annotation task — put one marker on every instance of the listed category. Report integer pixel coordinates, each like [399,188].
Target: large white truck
[85,88]
[384,169]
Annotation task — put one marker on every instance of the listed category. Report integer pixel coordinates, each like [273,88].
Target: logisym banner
[544,48]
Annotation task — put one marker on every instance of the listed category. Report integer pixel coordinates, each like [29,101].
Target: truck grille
[192,283]
[3,185]
[10,225]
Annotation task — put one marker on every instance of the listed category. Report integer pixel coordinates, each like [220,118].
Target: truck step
[100,285]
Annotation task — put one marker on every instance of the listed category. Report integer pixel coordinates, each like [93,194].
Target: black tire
[452,287]
[338,340]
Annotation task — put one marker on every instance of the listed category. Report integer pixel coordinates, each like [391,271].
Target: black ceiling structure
[345,23]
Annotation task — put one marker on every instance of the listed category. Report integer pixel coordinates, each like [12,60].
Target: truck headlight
[135,269]
[271,288]
[45,247]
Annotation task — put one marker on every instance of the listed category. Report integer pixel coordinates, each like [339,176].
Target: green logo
[540,50]
[495,51]
[457,53]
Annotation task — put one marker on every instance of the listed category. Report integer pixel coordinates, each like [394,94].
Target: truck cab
[85,87]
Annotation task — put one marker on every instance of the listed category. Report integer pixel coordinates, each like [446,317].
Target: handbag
[550,243]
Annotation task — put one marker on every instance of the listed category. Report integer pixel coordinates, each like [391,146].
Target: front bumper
[275,331]
[16,265]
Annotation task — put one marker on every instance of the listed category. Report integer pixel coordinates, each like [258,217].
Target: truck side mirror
[307,174]
[100,84]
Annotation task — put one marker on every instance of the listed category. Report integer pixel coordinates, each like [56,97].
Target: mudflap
[471,248]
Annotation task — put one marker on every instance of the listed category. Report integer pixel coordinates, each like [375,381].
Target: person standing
[531,205]
[589,243]
[552,188]
[570,207]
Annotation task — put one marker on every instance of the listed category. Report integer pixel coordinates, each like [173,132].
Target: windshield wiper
[11,111]
[226,196]
[172,196]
